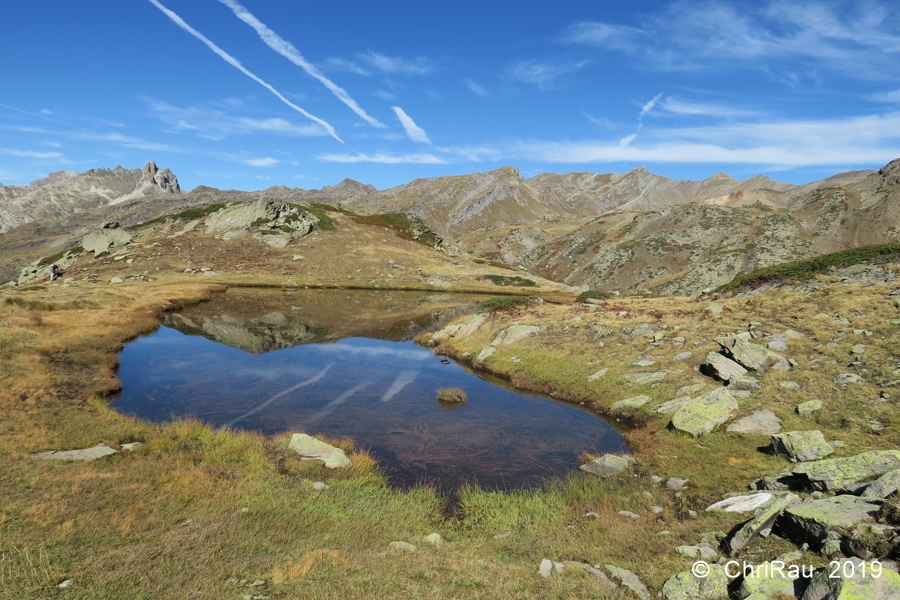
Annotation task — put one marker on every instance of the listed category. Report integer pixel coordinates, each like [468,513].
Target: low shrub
[595,294]
[505,280]
[502,303]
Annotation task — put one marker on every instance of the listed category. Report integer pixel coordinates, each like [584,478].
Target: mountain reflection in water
[342,364]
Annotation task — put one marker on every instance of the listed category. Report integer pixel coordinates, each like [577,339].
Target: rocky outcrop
[164,179]
[798,446]
[835,474]
[269,221]
[100,242]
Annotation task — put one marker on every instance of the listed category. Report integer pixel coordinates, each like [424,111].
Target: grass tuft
[451,395]
[506,280]
[503,303]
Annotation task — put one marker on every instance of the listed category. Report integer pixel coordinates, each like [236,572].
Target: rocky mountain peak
[164,179]
[350,186]
[55,177]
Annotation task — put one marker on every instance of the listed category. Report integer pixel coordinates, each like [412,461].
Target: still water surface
[344,364]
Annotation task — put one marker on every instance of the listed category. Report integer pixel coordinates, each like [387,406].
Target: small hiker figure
[54,272]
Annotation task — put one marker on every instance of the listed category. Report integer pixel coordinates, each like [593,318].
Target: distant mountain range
[624,232]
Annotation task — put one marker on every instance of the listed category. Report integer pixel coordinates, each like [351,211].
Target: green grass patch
[503,303]
[595,294]
[49,306]
[505,280]
[314,208]
[399,223]
[185,215]
[810,267]
[49,260]
[260,221]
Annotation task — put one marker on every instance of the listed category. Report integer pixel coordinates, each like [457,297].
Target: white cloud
[648,106]
[213,123]
[385,95]
[126,141]
[542,74]
[683,107]
[887,96]
[287,50]
[29,153]
[397,65]
[261,162]
[348,66]
[860,39]
[386,159]
[237,65]
[415,133]
[477,89]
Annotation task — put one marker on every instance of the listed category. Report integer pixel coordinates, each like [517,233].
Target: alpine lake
[344,364]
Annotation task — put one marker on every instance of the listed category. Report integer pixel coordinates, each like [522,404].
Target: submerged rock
[309,448]
[704,413]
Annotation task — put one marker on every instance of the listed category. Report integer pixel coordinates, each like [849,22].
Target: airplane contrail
[237,65]
[303,383]
[287,50]
[329,408]
[402,380]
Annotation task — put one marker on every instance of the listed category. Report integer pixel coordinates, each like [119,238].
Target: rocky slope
[65,193]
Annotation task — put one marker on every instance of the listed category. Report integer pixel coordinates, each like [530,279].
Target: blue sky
[252,94]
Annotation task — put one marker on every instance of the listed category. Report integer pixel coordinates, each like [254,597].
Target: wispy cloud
[237,65]
[542,74]
[415,133]
[864,140]
[477,89]
[887,96]
[215,123]
[397,65]
[287,50]
[647,107]
[126,141]
[29,153]
[347,66]
[385,95]
[859,39]
[267,161]
[677,106]
[386,159]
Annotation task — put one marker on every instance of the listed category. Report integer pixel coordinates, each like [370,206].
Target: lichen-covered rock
[811,520]
[773,580]
[309,448]
[279,218]
[687,586]
[762,422]
[704,413]
[608,465]
[629,404]
[885,486]
[752,356]
[101,241]
[832,583]
[743,383]
[799,446]
[723,367]
[629,580]
[836,473]
[276,239]
[514,333]
[761,524]
[807,408]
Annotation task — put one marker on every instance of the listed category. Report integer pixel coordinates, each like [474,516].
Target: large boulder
[752,356]
[811,520]
[836,473]
[723,367]
[265,217]
[101,241]
[799,446]
[704,413]
[309,448]
[848,580]
[514,333]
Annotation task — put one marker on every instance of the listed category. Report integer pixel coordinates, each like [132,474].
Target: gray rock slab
[801,446]
[608,465]
[760,524]
[741,504]
[545,568]
[762,422]
[630,581]
[811,520]
[515,333]
[597,375]
[630,403]
[723,367]
[671,406]
[752,356]
[836,473]
[676,483]
[743,383]
[684,355]
[88,454]
[777,346]
[402,546]
[309,448]
[704,413]
[884,487]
